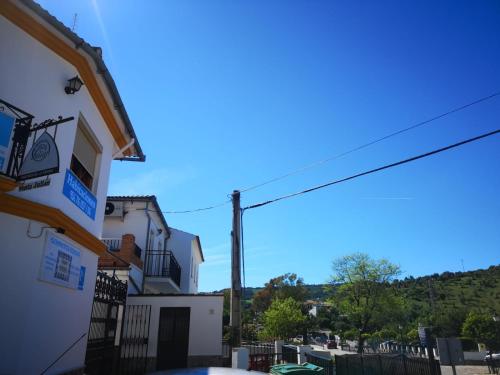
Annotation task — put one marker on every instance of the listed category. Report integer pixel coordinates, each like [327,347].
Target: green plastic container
[293,369]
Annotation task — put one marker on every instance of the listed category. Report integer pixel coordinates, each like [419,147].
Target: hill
[478,289]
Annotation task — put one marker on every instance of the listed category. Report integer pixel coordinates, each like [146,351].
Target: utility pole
[235,321]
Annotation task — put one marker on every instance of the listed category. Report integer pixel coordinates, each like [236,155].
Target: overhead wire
[198,209]
[368,144]
[340,155]
[387,166]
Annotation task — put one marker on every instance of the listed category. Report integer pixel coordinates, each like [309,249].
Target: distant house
[57,141]
[161,266]
[314,307]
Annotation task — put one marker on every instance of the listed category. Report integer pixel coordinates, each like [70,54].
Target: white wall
[33,78]
[39,320]
[135,222]
[181,244]
[205,325]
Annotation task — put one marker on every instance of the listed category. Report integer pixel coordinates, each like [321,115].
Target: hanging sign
[41,160]
[78,193]
[6,126]
[60,262]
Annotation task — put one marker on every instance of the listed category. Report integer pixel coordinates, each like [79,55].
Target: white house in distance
[54,175]
[161,266]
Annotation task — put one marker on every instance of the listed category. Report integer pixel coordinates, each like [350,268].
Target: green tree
[283,319]
[281,287]
[364,294]
[482,328]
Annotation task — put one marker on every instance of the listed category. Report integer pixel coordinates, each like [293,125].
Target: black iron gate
[135,341]
[109,300]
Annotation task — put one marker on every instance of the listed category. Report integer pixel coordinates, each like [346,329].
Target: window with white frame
[86,152]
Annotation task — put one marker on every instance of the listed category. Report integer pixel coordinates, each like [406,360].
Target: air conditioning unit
[114,209]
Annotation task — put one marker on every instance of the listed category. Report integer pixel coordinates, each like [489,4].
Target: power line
[365,145]
[376,169]
[198,209]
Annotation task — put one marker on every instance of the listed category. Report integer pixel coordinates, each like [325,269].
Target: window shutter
[85,151]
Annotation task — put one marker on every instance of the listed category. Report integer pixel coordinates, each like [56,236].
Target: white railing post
[301,353]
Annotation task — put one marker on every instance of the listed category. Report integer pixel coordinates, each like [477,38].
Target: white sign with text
[60,262]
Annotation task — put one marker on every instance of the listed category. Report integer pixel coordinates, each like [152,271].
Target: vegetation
[364,295]
[482,328]
[443,301]
[283,319]
[281,287]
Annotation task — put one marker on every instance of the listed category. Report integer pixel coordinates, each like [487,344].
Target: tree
[281,287]
[482,328]
[364,294]
[283,319]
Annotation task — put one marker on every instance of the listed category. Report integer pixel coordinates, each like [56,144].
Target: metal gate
[109,298]
[135,340]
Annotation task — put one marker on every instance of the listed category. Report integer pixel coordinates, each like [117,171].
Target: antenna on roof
[74,22]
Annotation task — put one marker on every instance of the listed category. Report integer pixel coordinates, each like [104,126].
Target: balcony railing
[113,244]
[162,264]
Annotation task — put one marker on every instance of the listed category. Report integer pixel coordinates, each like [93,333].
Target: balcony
[162,264]
[113,244]
[127,251]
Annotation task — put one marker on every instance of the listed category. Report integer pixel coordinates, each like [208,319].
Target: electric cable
[368,144]
[387,166]
[198,209]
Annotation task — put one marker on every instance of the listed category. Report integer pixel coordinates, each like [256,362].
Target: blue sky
[227,94]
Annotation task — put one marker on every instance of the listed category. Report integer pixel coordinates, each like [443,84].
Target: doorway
[173,337]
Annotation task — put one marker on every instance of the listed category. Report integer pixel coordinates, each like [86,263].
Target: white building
[53,186]
[161,266]
[162,259]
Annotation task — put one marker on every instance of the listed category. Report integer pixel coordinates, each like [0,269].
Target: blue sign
[78,193]
[6,126]
[81,281]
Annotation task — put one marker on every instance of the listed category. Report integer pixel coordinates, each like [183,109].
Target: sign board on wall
[61,263]
[78,193]
[6,126]
[42,159]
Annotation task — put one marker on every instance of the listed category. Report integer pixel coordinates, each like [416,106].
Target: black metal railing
[385,364]
[137,251]
[326,363]
[264,361]
[290,353]
[162,264]
[113,244]
[110,293]
[23,138]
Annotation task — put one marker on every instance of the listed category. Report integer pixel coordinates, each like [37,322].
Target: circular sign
[40,151]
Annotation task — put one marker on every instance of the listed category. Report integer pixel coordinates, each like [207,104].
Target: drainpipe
[147,244]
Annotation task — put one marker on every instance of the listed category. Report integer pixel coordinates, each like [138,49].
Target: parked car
[492,356]
[331,344]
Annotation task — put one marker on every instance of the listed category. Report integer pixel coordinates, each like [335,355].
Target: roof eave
[101,69]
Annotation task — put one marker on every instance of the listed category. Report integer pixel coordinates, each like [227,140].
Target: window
[85,156]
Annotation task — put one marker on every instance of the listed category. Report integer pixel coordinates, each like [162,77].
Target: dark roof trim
[142,198]
[95,54]
[176,295]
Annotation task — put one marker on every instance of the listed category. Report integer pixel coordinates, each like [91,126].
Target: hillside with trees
[444,301]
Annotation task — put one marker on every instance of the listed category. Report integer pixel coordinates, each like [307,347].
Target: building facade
[178,327]
[161,259]
[57,141]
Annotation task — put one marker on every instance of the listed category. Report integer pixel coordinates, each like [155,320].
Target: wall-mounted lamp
[74,85]
[160,231]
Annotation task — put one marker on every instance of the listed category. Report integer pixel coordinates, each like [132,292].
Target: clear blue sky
[226,94]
